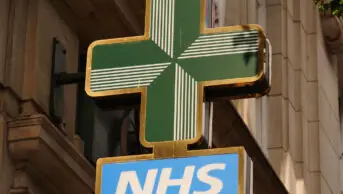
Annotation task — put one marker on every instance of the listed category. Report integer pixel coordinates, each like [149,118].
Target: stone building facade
[297,126]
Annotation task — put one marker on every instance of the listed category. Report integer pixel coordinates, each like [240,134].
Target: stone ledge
[34,139]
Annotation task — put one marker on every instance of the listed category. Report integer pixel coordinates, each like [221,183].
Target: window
[106,131]
[212,13]
[217,19]
[56,111]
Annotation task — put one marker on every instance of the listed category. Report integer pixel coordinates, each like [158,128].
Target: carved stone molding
[34,139]
[19,191]
[20,183]
[332,29]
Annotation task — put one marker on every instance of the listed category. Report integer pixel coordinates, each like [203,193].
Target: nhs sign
[208,174]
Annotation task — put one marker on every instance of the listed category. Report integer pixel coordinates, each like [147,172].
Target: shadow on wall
[242,38]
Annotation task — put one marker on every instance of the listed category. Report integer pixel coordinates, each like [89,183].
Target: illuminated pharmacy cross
[171,63]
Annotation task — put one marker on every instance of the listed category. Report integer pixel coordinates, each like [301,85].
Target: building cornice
[35,140]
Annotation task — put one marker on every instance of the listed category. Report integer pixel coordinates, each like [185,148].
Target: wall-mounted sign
[224,171]
[174,64]
[173,67]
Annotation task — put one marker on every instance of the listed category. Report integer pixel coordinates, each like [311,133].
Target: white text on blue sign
[196,175]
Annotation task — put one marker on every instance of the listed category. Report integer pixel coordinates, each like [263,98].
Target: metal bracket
[69,78]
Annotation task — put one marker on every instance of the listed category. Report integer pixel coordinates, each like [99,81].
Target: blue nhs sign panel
[212,174]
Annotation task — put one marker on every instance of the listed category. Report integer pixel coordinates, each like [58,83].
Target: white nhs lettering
[130,178]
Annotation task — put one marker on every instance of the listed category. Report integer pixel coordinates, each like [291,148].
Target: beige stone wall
[46,25]
[12,29]
[26,37]
[329,126]
[6,164]
[26,32]
[297,124]
[13,39]
[4,14]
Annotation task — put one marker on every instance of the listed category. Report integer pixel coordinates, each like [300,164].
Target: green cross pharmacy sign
[176,65]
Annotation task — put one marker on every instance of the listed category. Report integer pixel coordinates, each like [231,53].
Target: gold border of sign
[177,149]
[143,90]
[181,154]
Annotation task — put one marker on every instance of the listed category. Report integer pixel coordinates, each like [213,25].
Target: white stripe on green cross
[172,63]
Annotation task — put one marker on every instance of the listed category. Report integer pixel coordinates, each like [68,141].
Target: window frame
[56,120]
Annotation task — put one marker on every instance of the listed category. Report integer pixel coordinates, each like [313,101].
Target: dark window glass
[56,108]
[106,132]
